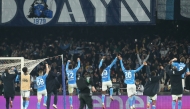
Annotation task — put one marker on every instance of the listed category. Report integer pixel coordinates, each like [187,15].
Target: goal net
[18,63]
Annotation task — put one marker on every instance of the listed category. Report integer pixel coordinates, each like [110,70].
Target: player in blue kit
[106,81]
[180,67]
[130,81]
[71,75]
[41,86]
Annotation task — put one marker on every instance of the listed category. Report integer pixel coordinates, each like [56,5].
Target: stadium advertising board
[76,12]
[120,102]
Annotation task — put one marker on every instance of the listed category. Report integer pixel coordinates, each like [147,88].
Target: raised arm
[100,64]
[139,59]
[47,69]
[113,62]
[173,63]
[167,68]
[78,66]
[161,72]
[122,67]
[140,67]
[67,65]
[148,70]
[146,58]
[121,63]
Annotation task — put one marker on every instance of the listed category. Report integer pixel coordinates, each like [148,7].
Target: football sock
[71,100]
[173,104]
[179,104]
[38,105]
[103,97]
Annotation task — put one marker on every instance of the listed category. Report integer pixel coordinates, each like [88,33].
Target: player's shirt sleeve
[67,65]
[122,67]
[78,66]
[138,69]
[113,62]
[45,76]
[174,64]
[100,64]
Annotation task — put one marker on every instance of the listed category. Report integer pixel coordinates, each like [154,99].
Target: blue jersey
[106,72]
[71,73]
[41,82]
[179,67]
[129,74]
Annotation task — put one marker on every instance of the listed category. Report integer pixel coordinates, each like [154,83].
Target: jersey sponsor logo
[39,12]
[24,80]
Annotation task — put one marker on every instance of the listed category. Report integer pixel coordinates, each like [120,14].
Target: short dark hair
[128,67]
[40,72]
[153,73]
[137,80]
[182,59]
[70,66]
[24,69]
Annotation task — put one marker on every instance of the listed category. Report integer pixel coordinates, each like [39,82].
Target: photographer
[139,87]
[86,87]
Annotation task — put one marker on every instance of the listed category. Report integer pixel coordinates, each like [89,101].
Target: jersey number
[40,82]
[104,73]
[180,68]
[128,75]
[70,75]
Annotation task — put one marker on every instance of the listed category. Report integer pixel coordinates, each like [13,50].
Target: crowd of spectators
[155,49]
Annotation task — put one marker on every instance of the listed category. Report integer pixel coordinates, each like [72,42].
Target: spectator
[139,87]
[1,88]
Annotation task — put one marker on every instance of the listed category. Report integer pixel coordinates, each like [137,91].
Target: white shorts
[71,88]
[175,97]
[40,93]
[131,89]
[25,94]
[105,85]
[153,97]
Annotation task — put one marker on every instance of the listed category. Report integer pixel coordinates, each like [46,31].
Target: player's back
[71,75]
[176,84]
[41,82]
[179,67]
[106,74]
[129,77]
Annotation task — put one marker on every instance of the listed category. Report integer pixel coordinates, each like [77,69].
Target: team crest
[39,12]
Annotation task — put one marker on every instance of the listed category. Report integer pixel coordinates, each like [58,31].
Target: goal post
[18,63]
[8,62]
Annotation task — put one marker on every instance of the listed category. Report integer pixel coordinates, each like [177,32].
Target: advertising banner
[76,12]
[120,102]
